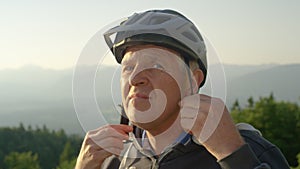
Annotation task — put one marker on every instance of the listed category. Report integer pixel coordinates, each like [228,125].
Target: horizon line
[72,67]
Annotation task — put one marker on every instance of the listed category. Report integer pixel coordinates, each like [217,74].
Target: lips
[138,95]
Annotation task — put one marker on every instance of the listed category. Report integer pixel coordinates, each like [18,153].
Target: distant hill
[282,80]
[38,96]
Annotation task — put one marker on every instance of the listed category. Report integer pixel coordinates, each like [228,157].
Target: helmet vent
[190,36]
[156,20]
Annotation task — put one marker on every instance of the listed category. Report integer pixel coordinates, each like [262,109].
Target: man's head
[156,49]
[166,28]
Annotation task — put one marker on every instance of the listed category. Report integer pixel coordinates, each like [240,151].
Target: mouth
[138,96]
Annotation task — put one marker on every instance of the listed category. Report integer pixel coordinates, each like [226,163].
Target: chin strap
[187,67]
[124,120]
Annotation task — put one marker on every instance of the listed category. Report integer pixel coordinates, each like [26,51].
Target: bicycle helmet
[165,28]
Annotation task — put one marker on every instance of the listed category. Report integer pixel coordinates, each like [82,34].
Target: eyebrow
[125,61]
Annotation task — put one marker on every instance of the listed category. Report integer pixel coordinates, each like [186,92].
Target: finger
[104,153]
[187,112]
[109,132]
[122,128]
[118,127]
[103,141]
[187,124]
[192,101]
[111,150]
[110,142]
[105,147]
[205,97]
[215,105]
[94,139]
[101,155]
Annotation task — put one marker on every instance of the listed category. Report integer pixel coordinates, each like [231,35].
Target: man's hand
[101,143]
[208,119]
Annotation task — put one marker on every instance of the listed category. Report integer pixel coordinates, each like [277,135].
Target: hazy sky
[52,33]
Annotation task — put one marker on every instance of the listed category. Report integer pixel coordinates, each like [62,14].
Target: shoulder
[254,138]
[259,145]
[264,150]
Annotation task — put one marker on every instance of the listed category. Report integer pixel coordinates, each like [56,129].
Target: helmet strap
[187,67]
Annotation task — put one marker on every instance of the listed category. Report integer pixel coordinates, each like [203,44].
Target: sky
[52,34]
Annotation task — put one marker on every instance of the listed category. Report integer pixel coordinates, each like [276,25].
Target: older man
[163,59]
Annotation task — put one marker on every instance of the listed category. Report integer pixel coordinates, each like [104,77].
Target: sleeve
[275,158]
[257,153]
[243,158]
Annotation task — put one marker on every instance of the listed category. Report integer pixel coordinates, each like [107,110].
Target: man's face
[153,80]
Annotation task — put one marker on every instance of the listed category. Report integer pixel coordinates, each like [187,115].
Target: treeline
[41,148]
[37,148]
[278,121]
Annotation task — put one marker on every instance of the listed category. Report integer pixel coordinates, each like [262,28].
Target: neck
[160,141]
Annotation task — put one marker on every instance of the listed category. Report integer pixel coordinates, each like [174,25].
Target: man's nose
[138,78]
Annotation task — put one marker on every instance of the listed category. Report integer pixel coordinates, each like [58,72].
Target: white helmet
[165,28]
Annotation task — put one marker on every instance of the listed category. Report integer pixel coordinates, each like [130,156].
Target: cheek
[179,84]
[179,77]
[172,90]
[173,98]
[124,89]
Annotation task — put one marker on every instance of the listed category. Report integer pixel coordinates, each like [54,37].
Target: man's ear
[198,76]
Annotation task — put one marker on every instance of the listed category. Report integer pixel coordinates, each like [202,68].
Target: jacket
[257,153]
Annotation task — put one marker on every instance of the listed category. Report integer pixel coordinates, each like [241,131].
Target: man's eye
[127,68]
[158,66]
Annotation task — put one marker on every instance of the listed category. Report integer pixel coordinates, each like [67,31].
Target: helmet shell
[165,28]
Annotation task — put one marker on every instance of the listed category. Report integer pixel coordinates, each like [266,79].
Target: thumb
[122,128]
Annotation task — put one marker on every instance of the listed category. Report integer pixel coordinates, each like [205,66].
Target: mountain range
[36,96]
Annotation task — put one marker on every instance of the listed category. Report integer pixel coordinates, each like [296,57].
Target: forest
[40,148]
